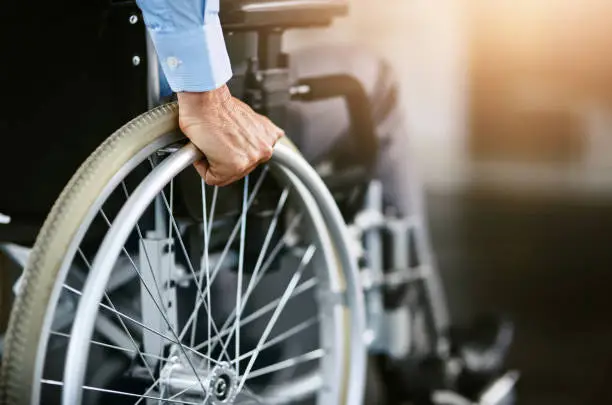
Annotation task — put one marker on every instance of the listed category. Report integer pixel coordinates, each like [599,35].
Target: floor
[546,262]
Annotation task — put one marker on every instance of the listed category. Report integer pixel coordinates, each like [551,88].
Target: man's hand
[233,138]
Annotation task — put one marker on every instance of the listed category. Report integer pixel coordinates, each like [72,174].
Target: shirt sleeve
[189,42]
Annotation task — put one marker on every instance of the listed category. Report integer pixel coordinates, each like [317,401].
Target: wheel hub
[215,386]
[223,384]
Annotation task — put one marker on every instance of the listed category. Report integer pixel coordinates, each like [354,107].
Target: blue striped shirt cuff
[193,60]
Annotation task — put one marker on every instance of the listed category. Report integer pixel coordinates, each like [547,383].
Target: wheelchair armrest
[364,149]
[253,14]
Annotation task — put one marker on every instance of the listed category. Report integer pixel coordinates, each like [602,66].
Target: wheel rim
[312,380]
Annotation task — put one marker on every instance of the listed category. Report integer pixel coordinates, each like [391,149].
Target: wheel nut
[220,387]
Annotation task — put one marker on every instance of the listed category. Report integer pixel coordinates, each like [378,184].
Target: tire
[65,227]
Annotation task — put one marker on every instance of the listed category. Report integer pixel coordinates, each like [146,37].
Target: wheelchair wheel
[133,296]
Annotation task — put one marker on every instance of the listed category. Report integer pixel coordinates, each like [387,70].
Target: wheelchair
[145,285]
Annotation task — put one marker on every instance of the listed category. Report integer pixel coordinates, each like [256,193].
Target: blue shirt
[189,42]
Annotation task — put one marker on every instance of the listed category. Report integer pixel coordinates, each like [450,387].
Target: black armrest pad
[253,14]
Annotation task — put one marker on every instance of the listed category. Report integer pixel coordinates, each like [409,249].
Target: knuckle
[240,165]
[266,152]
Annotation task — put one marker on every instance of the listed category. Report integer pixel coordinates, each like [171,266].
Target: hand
[233,138]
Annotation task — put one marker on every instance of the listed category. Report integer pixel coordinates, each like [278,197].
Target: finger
[232,169]
[221,181]
[215,179]
[273,129]
[202,167]
[225,181]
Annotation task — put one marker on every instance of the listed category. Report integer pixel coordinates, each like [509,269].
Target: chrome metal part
[17,254]
[178,382]
[4,219]
[372,239]
[500,391]
[156,258]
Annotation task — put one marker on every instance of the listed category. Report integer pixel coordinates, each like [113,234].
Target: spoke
[128,394]
[298,290]
[109,346]
[254,398]
[180,239]
[284,336]
[129,318]
[284,299]
[127,254]
[178,234]
[305,286]
[206,236]
[245,192]
[273,223]
[207,229]
[155,384]
[171,206]
[256,276]
[136,345]
[146,253]
[169,256]
[163,314]
[294,361]
[266,243]
[146,287]
[213,206]
[201,297]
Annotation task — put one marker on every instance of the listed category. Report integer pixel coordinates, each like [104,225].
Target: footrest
[500,391]
[483,345]
[472,373]
[482,348]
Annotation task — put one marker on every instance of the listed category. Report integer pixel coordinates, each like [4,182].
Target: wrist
[217,96]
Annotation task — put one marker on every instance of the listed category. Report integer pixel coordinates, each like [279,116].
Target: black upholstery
[253,14]
[68,82]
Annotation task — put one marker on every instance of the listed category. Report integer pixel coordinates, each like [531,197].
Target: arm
[189,42]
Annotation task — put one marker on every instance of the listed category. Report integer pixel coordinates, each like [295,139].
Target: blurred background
[509,103]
